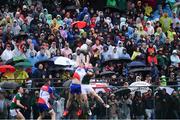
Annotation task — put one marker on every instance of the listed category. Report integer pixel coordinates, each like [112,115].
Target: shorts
[14,112]
[43,108]
[86,89]
[75,88]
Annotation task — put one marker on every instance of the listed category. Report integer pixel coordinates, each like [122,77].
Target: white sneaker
[89,112]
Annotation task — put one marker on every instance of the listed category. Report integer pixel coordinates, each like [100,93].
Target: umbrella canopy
[55,68]
[145,69]
[117,61]
[136,64]
[100,87]
[169,90]
[5,68]
[139,86]
[49,62]
[64,61]
[15,60]
[79,24]
[106,74]
[9,85]
[67,83]
[123,91]
[25,64]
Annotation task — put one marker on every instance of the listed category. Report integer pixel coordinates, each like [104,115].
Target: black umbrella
[72,7]
[117,61]
[144,69]
[123,91]
[48,61]
[136,64]
[107,74]
[55,68]
[9,85]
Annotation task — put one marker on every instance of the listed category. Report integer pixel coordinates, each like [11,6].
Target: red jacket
[151,59]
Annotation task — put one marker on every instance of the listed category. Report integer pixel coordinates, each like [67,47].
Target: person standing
[16,104]
[45,94]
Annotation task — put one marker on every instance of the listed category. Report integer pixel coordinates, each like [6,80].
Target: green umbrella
[25,64]
[15,60]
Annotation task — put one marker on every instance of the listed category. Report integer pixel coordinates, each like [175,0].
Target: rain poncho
[135,54]
[83,13]
[175,60]
[170,35]
[166,23]
[49,19]
[150,29]
[21,76]
[148,10]
[8,75]
[59,21]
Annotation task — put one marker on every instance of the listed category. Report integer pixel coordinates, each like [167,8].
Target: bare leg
[79,99]
[41,116]
[97,96]
[53,114]
[85,98]
[20,116]
[69,101]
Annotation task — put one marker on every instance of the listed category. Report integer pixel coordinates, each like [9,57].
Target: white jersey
[79,74]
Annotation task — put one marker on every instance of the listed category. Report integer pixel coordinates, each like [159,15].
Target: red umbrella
[5,68]
[79,24]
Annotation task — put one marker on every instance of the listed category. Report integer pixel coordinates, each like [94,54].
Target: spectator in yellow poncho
[170,34]
[136,54]
[165,22]
[21,75]
[148,10]
[8,76]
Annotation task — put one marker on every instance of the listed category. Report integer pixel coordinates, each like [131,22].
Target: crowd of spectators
[39,31]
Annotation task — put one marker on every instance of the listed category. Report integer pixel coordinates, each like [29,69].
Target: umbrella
[9,85]
[145,69]
[67,83]
[64,61]
[15,60]
[107,73]
[25,64]
[72,7]
[55,68]
[5,68]
[139,86]
[169,90]
[79,24]
[123,91]
[136,64]
[48,61]
[117,61]
[100,87]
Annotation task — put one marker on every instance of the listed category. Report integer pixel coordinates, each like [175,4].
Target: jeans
[150,113]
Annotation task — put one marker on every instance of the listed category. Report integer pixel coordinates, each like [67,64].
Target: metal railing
[62,92]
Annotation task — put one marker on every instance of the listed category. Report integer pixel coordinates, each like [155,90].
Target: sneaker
[65,113]
[106,106]
[79,112]
[89,112]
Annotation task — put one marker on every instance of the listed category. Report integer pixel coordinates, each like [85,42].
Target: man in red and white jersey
[45,94]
